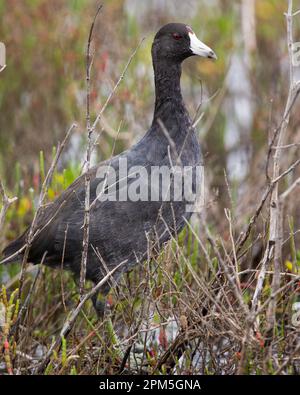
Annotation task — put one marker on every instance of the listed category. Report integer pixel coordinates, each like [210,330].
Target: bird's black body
[121,230]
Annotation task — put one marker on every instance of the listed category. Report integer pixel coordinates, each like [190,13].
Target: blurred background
[42,90]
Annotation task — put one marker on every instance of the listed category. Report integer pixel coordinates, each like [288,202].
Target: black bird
[122,230]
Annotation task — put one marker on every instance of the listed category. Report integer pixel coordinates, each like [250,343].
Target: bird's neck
[167,86]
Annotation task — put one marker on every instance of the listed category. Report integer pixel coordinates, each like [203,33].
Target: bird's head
[177,41]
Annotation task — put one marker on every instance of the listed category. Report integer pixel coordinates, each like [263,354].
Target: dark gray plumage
[121,230]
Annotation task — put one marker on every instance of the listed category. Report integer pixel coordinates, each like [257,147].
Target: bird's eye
[177,36]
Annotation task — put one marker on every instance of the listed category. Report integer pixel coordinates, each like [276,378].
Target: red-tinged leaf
[110,300]
[163,341]
[6,345]
[152,353]
[260,339]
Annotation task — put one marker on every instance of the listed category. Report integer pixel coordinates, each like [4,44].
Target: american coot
[122,229]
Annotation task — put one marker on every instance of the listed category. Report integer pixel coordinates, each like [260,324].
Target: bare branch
[33,228]
[69,322]
[6,203]
[86,225]
[276,206]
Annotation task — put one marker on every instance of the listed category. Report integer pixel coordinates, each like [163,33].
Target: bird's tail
[14,251]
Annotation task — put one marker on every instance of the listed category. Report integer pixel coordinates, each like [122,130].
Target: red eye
[177,36]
